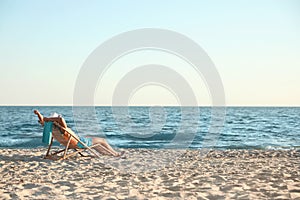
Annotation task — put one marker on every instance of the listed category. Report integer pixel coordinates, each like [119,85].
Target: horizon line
[142,105]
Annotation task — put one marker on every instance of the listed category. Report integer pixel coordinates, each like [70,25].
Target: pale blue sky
[255,45]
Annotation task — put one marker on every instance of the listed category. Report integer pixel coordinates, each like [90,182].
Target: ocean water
[160,127]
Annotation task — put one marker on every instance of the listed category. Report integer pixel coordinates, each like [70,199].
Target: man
[108,150]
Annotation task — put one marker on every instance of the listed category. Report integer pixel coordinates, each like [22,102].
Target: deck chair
[62,134]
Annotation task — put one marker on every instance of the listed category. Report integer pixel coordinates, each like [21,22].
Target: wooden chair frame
[77,150]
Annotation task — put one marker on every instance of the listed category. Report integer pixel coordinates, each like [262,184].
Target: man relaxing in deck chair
[73,143]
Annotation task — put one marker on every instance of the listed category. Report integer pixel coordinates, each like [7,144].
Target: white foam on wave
[280,148]
[8,142]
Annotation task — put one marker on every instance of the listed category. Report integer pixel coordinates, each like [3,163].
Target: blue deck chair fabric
[47,133]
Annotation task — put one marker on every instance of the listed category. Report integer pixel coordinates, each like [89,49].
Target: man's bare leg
[107,148]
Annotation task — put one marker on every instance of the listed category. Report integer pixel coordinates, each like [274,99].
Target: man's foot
[121,154]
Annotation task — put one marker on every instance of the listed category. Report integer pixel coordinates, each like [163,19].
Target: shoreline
[152,174]
[233,148]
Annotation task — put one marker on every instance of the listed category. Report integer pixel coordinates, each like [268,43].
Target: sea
[160,127]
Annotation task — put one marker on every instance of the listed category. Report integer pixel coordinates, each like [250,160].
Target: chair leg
[67,147]
[90,149]
[71,154]
[57,152]
[48,151]
[81,154]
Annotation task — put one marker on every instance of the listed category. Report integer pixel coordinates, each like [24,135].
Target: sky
[254,45]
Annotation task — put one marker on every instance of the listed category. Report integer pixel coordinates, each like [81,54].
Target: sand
[152,174]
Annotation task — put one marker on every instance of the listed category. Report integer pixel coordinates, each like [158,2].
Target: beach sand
[152,174]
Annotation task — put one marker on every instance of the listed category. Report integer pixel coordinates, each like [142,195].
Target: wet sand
[152,174]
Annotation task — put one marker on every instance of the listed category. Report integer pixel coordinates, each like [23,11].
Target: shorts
[86,140]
